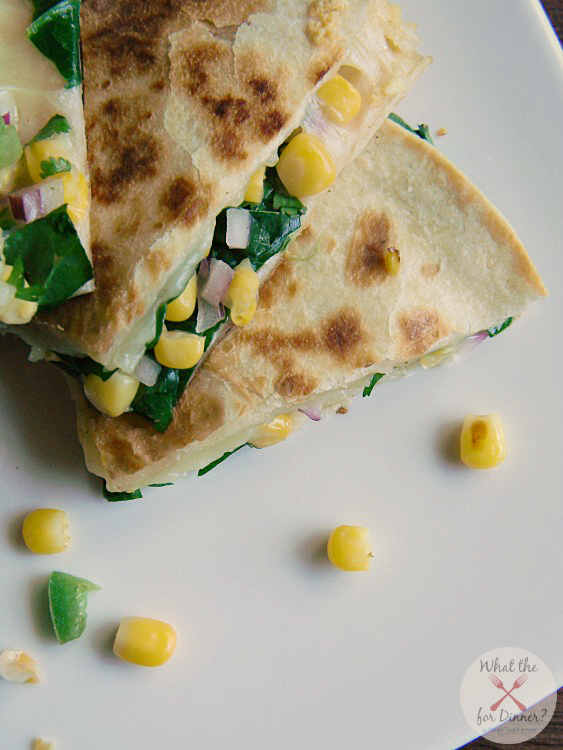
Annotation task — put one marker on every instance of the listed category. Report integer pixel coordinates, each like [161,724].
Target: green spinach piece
[10,145]
[56,125]
[217,461]
[160,315]
[52,166]
[116,497]
[7,221]
[499,329]
[157,402]
[56,34]
[423,131]
[270,233]
[287,204]
[54,262]
[77,366]
[368,389]
[41,6]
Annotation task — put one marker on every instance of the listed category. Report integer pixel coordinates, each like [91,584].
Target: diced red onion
[215,285]
[239,223]
[147,371]
[6,118]
[313,412]
[468,344]
[208,315]
[38,200]
[8,108]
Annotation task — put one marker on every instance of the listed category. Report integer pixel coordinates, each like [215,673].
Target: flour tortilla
[184,100]
[331,316]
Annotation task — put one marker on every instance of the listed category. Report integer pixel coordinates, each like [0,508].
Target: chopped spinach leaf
[56,125]
[499,329]
[6,219]
[164,484]
[116,497]
[40,6]
[270,234]
[160,315]
[287,204]
[217,461]
[10,145]
[423,131]
[77,366]
[368,389]
[56,34]
[55,264]
[52,166]
[157,402]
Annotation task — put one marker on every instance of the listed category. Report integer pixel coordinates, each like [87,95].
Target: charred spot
[122,449]
[112,108]
[228,108]
[158,85]
[320,73]
[342,333]
[196,63]
[272,122]
[106,84]
[136,161]
[125,54]
[365,262]
[178,197]
[419,330]
[295,384]
[263,89]
[227,146]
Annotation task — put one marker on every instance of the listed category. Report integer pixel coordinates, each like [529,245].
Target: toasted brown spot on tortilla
[263,88]
[158,85]
[365,262]
[271,123]
[342,333]
[232,108]
[158,260]
[195,64]
[123,454]
[183,200]
[293,288]
[428,270]
[419,330]
[198,413]
[295,384]
[227,146]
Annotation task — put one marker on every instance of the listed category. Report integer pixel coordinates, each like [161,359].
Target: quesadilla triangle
[184,102]
[45,253]
[404,262]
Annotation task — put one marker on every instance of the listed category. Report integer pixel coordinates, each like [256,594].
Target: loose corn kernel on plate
[275,647]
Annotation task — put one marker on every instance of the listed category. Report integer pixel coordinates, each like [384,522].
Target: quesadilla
[404,262]
[183,102]
[44,243]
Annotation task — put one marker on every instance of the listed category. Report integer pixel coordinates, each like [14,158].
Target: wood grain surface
[552,735]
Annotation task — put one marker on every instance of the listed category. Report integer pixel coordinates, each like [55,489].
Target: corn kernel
[341,101]
[349,549]
[306,166]
[255,188]
[392,260]
[19,311]
[146,642]
[39,151]
[482,444]
[179,350]
[182,307]
[17,666]
[274,432]
[76,195]
[39,744]
[7,179]
[46,531]
[113,396]
[242,294]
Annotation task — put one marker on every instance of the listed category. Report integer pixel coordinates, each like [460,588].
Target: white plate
[275,649]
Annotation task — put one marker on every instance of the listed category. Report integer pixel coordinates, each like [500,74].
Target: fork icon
[517,683]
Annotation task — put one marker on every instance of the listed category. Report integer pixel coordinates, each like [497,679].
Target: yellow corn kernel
[39,151]
[183,306]
[19,311]
[482,444]
[392,260]
[113,396]
[341,100]
[242,294]
[7,179]
[179,350]
[17,666]
[306,166]
[349,548]
[39,744]
[143,641]
[46,531]
[274,432]
[255,188]
[76,195]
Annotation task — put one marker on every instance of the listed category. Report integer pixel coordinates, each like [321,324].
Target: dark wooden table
[552,735]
